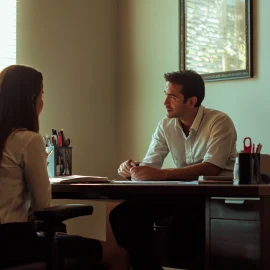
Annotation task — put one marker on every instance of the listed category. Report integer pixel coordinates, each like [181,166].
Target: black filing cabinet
[234,233]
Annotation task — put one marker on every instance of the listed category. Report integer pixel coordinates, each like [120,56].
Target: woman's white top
[24,180]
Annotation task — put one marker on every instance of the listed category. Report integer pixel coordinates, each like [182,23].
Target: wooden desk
[237,218]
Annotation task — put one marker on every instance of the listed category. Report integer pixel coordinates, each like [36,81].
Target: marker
[63,138]
[60,139]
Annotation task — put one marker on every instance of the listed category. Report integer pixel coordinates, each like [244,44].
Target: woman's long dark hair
[19,88]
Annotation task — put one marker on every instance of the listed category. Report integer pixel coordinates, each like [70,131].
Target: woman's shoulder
[22,137]
[21,142]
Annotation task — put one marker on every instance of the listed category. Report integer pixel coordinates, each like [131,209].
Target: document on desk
[78,179]
[133,182]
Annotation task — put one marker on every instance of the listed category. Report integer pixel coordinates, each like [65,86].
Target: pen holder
[59,163]
[249,168]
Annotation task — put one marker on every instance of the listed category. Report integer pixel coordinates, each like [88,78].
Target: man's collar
[196,122]
[198,119]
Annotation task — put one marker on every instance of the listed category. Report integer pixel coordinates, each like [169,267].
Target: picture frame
[216,38]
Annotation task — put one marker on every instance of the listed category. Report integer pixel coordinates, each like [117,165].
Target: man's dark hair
[192,83]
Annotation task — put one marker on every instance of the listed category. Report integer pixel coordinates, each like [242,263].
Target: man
[201,141]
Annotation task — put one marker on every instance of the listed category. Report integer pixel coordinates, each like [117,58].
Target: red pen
[60,139]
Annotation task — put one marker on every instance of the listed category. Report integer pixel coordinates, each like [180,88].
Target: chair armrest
[60,213]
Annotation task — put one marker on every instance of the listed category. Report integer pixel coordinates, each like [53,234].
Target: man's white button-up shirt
[212,138]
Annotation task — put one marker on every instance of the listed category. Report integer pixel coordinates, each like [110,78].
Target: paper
[204,182]
[154,182]
[79,179]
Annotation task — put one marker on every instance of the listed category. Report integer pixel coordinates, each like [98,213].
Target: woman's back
[24,180]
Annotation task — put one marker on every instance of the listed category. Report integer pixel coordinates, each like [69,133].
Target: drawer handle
[233,198]
[234,201]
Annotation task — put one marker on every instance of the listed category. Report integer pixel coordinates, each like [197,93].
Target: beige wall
[149,47]
[73,43]
[247,101]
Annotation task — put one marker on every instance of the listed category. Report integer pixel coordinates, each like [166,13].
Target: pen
[259,148]
[48,154]
[54,132]
[63,137]
[54,140]
[60,139]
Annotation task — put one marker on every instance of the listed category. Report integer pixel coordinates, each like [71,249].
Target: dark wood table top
[127,191]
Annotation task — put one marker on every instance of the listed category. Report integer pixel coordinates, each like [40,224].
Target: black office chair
[49,221]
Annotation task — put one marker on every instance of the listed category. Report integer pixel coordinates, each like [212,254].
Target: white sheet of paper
[155,182]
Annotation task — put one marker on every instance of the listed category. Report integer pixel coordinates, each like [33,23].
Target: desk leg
[207,233]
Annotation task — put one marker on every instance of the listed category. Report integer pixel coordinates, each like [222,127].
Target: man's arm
[221,146]
[192,172]
[158,148]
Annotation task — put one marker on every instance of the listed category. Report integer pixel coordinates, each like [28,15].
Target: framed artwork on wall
[216,38]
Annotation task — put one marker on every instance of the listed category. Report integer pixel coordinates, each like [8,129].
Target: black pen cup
[249,168]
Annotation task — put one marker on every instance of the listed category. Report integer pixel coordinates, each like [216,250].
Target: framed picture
[216,38]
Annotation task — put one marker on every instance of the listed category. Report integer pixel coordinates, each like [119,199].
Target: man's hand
[124,169]
[141,173]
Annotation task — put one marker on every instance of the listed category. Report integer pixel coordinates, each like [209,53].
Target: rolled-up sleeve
[221,142]
[35,173]
[158,149]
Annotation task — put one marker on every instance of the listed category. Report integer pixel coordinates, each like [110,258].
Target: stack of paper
[215,179]
[78,179]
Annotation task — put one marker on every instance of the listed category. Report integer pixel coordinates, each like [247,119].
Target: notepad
[202,182]
[79,179]
[219,179]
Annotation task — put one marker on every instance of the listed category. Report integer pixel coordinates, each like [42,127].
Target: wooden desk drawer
[235,208]
[235,244]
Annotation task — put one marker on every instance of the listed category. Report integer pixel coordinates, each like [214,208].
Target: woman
[24,181]
[22,153]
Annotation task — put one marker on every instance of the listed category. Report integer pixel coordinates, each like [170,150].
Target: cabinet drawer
[235,208]
[235,244]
